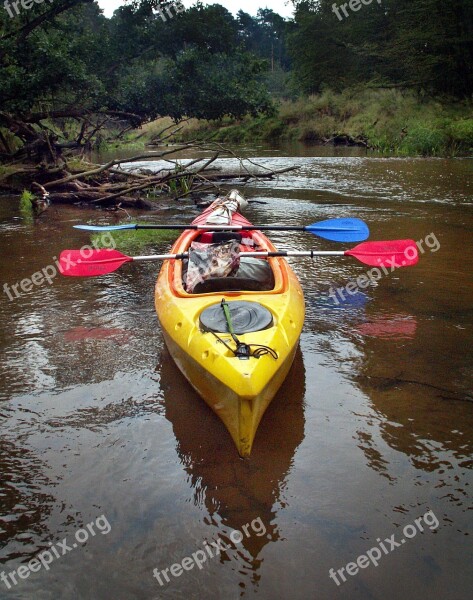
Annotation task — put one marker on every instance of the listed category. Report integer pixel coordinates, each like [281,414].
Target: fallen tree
[121,187]
[119,183]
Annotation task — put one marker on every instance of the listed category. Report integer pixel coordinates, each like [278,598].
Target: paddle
[336,230]
[386,255]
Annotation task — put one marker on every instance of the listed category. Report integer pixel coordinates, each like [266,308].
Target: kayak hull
[241,414]
[238,391]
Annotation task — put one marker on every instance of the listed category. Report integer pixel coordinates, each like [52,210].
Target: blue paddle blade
[104,228]
[340,230]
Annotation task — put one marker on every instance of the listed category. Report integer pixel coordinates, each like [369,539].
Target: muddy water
[372,430]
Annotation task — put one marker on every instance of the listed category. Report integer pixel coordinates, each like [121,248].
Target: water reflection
[232,489]
[24,503]
[423,417]
[417,407]
[400,327]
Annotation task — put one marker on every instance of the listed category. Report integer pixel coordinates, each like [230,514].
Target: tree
[265,35]
[210,86]
[70,62]
[422,44]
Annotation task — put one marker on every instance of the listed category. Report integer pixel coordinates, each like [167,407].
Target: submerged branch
[109,184]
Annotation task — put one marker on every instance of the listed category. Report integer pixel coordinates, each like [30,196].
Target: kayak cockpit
[253,275]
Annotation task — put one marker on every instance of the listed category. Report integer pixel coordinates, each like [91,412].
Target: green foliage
[461,133]
[202,70]
[8,142]
[424,140]
[49,67]
[6,171]
[182,185]
[207,64]
[216,85]
[198,84]
[265,35]
[76,60]
[26,206]
[426,45]
[389,121]
[279,84]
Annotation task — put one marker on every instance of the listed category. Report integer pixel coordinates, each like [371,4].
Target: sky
[282,7]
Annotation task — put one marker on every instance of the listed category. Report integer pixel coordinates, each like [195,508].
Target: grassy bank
[390,121]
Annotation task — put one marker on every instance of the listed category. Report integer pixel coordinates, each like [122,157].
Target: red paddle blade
[392,254]
[91,263]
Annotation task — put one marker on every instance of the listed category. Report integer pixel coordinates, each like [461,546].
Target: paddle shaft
[210,227]
[309,253]
[335,230]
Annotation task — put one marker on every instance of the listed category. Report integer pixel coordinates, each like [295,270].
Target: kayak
[237,367]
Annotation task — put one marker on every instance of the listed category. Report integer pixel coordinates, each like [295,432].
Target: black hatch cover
[246,317]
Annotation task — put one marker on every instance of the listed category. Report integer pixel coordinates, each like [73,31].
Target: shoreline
[388,121]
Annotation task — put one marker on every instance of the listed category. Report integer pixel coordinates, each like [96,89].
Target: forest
[68,74]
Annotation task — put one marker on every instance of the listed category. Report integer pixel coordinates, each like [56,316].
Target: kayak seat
[253,275]
[247,243]
[219,237]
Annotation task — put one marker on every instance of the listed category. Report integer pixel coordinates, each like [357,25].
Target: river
[368,445]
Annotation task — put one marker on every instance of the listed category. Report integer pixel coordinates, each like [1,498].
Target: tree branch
[24,32]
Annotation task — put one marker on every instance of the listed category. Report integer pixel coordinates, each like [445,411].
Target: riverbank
[388,121]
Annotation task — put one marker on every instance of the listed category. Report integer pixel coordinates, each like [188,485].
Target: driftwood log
[109,185]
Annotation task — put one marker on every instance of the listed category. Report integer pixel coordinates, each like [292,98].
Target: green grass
[134,241]
[389,120]
[25,206]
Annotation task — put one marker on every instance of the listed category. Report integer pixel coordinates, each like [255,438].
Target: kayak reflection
[396,327]
[236,491]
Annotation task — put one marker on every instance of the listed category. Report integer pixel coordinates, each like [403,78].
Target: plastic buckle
[243,352]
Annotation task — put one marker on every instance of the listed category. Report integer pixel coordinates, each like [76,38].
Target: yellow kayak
[237,387]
